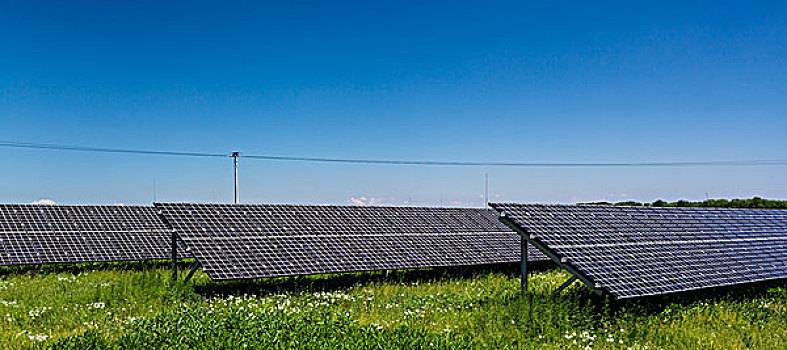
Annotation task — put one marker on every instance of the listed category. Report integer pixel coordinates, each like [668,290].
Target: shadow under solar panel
[639,251]
[42,234]
[257,241]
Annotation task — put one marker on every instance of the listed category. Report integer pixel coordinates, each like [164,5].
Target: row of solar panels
[251,241]
[639,251]
[39,234]
[624,251]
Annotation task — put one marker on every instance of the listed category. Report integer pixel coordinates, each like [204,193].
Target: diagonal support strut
[192,271]
[564,285]
[560,262]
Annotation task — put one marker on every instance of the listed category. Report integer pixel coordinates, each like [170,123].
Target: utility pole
[486,189]
[235,156]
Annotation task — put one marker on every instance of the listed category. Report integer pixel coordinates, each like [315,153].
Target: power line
[519,164]
[60,147]
[57,147]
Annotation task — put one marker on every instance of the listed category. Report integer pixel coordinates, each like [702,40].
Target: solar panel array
[639,251]
[40,234]
[253,241]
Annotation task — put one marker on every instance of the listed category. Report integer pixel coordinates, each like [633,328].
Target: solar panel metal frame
[275,240]
[52,234]
[639,251]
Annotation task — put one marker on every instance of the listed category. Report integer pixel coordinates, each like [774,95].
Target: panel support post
[174,257]
[523,262]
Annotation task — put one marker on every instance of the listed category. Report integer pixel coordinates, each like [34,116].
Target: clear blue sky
[530,82]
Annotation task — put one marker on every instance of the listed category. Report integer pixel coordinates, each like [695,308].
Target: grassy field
[133,306]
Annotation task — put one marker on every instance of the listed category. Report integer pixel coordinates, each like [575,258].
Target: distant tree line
[755,202]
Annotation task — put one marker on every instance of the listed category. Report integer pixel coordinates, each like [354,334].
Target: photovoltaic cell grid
[639,251]
[254,241]
[40,234]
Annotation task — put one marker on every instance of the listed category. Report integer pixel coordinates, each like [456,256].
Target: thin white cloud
[44,201]
[368,200]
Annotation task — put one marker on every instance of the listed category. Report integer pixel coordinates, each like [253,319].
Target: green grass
[133,306]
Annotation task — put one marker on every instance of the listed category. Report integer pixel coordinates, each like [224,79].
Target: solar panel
[253,241]
[639,251]
[41,234]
